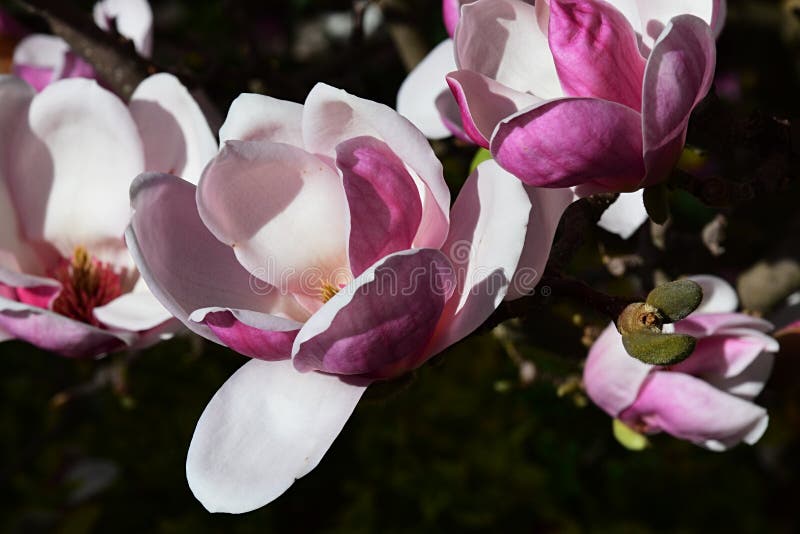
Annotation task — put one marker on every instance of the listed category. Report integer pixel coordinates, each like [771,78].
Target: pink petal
[332,116]
[37,58]
[451,12]
[282,210]
[258,117]
[378,325]
[689,408]
[268,338]
[707,324]
[385,208]
[56,333]
[71,168]
[37,291]
[490,220]
[547,206]
[595,52]
[656,14]
[679,73]
[184,266]
[177,138]
[484,103]
[131,18]
[562,143]
[612,377]
[267,426]
[416,99]
[726,355]
[504,40]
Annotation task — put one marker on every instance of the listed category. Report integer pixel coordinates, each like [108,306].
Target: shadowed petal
[259,117]
[131,18]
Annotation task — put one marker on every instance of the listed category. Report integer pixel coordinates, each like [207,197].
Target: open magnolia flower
[320,242]
[41,59]
[579,92]
[69,153]
[707,398]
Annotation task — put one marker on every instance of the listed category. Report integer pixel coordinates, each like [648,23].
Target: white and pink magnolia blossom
[581,93]
[41,59]
[321,243]
[69,154]
[706,399]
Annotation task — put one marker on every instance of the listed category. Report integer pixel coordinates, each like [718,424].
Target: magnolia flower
[69,153]
[577,92]
[707,398]
[320,242]
[426,100]
[42,59]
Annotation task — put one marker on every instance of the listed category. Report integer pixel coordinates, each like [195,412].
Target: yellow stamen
[328,291]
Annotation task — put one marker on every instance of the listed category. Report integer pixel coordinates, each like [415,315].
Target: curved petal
[131,18]
[718,295]
[258,117]
[487,236]
[332,116]
[385,208]
[378,325]
[257,335]
[451,12]
[750,382]
[504,40]
[708,324]
[625,215]
[611,376]
[726,355]
[416,99]
[691,409]
[38,57]
[136,312]
[547,206]
[567,142]
[596,52]
[15,98]
[281,209]
[267,426]
[679,74]
[484,103]
[176,136]
[184,266]
[656,14]
[56,333]
[71,172]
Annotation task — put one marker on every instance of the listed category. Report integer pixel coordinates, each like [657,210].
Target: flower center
[328,291]
[86,284]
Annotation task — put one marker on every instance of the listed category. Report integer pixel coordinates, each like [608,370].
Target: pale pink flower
[706,399]
[321,243]
[69,154]
[41,59]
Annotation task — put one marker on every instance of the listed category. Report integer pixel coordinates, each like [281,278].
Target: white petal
[416,99]
[266,427]
[258,117]
[625,215]
[718,295]
[135,311]
[177,138]
[132,18]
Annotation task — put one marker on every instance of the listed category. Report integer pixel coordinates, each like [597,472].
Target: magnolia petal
[378,325]
[571,141]
[71,172]
[56,333]
[718,295]
[726,355]
[484,103]
[689,408]
[177,139]
[595,52]
[332,116]
[267,426]
[282,210]
[38,57]
[708,324]
[625,215]
[257,335]
[612,377]
[131,18]
[749,383]
[184,266]
[503,40]
[135,311]
[258,117]
[416,99]
[547,207]
[385,208]
[679,74]
[490,218]
[655,15]
[451,12]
